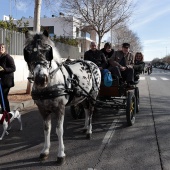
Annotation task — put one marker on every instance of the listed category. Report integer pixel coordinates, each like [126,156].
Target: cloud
[21,6]
[148,12]
[166,40]
[152,41]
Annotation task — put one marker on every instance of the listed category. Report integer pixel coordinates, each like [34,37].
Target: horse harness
[57,91]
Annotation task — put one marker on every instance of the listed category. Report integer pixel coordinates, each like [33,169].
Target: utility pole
[36,28]
[10,8]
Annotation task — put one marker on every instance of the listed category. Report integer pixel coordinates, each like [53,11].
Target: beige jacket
[118,56]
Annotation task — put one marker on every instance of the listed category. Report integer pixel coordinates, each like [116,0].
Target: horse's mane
[31,36]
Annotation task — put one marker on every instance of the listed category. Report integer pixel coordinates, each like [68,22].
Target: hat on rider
[126,45]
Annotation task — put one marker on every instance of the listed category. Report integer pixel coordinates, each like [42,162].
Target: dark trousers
[6,102]
[115,71]
[127,75]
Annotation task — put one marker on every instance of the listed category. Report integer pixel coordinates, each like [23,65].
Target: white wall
[61,27]
[21,72]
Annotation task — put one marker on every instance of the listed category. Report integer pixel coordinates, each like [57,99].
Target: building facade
[66,26]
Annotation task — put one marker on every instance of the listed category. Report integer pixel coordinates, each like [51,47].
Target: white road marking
[153,78]
[110,132]
[107,138]
[163,78]
[142,78]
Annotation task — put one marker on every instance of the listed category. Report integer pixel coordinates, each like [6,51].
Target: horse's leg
[89,121]
[47,131]
[60,131]
[88,108]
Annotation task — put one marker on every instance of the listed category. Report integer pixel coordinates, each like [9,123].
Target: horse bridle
[41,60]
[51,74]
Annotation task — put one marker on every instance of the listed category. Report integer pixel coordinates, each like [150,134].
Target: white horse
[57,85]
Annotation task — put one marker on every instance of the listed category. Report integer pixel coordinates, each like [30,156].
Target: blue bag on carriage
[107,77]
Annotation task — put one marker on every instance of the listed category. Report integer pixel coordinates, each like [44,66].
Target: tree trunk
[36,28]
[99,40]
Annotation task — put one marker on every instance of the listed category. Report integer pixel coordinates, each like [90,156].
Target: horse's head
[38,53]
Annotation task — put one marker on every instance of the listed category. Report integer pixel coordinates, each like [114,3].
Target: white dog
[13,115]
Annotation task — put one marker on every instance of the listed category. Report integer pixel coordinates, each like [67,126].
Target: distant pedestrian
[7,69]
[149,68]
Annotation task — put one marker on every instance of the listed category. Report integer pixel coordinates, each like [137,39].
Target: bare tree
[122,34]
[100,15]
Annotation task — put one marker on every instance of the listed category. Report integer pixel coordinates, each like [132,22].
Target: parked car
[168,68]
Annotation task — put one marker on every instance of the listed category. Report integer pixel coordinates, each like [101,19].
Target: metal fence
[13,40]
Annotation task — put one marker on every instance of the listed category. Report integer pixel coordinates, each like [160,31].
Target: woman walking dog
[7,69]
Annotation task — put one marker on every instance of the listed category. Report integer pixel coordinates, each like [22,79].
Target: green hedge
[66,40]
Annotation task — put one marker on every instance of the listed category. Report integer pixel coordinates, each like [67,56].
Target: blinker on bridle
[39,60]
[37,51]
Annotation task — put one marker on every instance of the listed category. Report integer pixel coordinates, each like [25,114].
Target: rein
[55,71]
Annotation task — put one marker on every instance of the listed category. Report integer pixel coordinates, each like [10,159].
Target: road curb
[21,105]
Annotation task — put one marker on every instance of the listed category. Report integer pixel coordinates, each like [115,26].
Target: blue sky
[150,21]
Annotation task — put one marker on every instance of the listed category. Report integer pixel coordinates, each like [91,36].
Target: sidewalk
[18,88]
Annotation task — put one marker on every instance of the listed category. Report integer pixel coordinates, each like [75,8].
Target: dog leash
[5,113]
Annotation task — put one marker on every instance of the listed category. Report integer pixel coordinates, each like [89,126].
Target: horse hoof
[88,136]
[43,156]
[61,161]
[84,130]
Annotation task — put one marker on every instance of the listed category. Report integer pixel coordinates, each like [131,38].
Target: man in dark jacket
[7,69]
[95,56]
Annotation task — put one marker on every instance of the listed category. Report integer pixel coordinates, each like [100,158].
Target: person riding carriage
[139,65]
[121,65]
[96,56]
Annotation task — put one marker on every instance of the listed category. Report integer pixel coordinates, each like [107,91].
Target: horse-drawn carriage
[118,96]
[56,85]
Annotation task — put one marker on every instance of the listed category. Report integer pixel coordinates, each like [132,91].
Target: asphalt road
[114,145]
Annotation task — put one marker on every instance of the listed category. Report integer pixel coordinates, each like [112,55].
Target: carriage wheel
[137,99]
[131,108]
[77,111]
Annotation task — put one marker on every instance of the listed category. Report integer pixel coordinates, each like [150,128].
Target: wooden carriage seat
[110,91]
